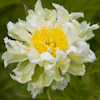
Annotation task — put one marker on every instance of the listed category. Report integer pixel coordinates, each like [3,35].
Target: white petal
[14,47]
[17,31]
[63,15]
[61,85]
[75,15]
[27,25]
[48,57]
[51,19]
[63,61]
[38,9]
[36,87]
[90,57]
[24,72]
[48,69]
[71,34]
[31,18]
[33,55]
[86,31]
[10,58]
[40,22]
[71,49]
[77,25]
[77,69]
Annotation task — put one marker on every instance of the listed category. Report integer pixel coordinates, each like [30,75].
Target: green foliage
[79,88]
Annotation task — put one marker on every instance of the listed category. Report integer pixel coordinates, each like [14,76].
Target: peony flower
[48,46]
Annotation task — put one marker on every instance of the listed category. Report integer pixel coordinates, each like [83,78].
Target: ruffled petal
[10,58]
[24,71]
[14,47]
[77,25]
[33,55]
[27,26]
[63,61]
[44,80]
[50,17]
[77,69]
[71,33]
[62,84]
[86,31]
[17,31]
[63,15]
[90,57]
[82,50]
[38,9]
[31,18]
[75,15]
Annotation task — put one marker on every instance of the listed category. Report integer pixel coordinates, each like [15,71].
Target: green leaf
[86,81]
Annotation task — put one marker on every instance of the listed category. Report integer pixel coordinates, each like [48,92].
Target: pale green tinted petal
[17,31]
[57,76]
[10,58]
[82,50]
[14,47]
[90,57]
[63,15]
[38,9]
[71,33]
[34,55]
[27,26]
[34,90]
[77,69]
[63,61]
[48,69]
[75,15]
[51,19]
[62,84]
[31,18]
[77,25]
[86,31]
[44,80]
[24,71]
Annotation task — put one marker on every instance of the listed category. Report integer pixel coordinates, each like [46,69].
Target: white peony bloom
[48,46]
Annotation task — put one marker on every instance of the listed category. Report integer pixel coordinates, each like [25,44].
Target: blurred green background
[79,88]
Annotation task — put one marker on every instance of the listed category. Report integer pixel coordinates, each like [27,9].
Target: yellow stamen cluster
[49,39]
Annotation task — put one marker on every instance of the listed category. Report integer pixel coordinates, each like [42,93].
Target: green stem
[46,90]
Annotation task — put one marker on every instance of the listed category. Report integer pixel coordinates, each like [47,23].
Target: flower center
[49,39]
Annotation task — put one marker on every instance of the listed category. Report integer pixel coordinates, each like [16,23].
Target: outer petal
[50,17]
[71,33]
[77,25]
[27,25]
[90,57]
[14,47]
[76,69]
[82,49]
[86,31]
[31,18]
[63,15]
[38,9]
[16,52]
[75,15]
[44,80]
[17,31]
[24,71]
[10,58]
[61,85]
